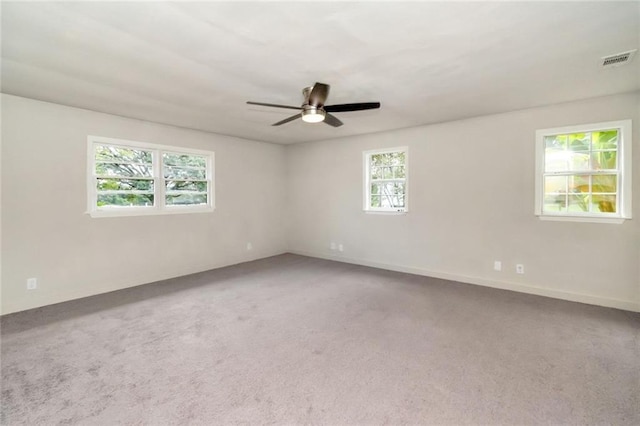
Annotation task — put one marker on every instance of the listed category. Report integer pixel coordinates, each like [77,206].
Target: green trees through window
[148,177]
[581,172]
[185,179]
[124,176]
[386,175]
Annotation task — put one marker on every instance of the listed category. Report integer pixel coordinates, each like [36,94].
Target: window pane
[180,185]
[603,203]
[555,184]
[124,170]
[604,183]
[171,172]
[170,159]
[578,161]
[125,185]
[579,141]
[555,190]
[578,203]
[376,172]
[127,155]
[604,160]
[555,143]
[554,203]
[186,199]
[375,201]
[399,188]
[579,183]
[392,201]
[377,159]
[607,139]
[390,188]
[124,200]
[396,158]
[387,173]
[399,172]
[375,189]
[555,159]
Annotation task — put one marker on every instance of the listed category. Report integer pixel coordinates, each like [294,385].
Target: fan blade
[352,107]
[286,120]
[272,105]
[332,120]
[318,94]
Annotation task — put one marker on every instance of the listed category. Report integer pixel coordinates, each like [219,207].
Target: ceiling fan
[313,110]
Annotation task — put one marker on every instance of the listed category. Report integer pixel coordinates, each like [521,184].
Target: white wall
[46,233]
[471,189]
[471,202]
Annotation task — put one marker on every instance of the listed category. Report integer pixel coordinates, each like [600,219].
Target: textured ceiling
[196,64]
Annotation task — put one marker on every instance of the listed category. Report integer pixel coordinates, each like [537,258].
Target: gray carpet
[293,340]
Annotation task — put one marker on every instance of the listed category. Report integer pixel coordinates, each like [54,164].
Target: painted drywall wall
[47,235]
[471,201]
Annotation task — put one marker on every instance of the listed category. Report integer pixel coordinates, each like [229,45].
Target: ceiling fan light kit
[313,115]
[313,110]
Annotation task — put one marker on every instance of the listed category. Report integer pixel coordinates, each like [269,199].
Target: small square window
[583,172]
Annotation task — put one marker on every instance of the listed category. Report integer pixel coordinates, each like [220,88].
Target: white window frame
[158,178]
[623,212]
[366,158]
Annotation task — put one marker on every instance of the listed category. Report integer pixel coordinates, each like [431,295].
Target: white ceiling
[196,64]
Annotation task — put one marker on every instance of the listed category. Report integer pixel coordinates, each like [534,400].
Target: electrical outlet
[340,247]
[249,246]
[519,268]
[32,283]
[497,265]
[333,246]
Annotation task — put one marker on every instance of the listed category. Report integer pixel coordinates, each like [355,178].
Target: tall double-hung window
[584,172]
[385,180]
[133,178]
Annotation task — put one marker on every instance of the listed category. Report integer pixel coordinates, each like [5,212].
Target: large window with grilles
[385,180]
[584,172]
[128,178]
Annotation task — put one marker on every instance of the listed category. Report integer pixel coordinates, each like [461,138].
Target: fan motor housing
[306,92]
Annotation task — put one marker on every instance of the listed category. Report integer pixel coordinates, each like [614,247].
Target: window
[584,172]
[132,178]
[385,182]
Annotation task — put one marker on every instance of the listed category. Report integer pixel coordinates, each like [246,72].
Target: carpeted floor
[293,340]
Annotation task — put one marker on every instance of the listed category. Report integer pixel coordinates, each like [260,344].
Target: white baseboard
[88,291]
[504,285]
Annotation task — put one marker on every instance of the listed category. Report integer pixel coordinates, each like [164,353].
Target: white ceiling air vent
[618,59]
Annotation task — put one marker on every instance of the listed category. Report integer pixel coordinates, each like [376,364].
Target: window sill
[148,212]
[586,219]
[386,212]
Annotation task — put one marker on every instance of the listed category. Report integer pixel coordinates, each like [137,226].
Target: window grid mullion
[128,163]
[185,167]
[184,192]
[159,176]
[583,172]
[121,177]
[124,191]
[590,193]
